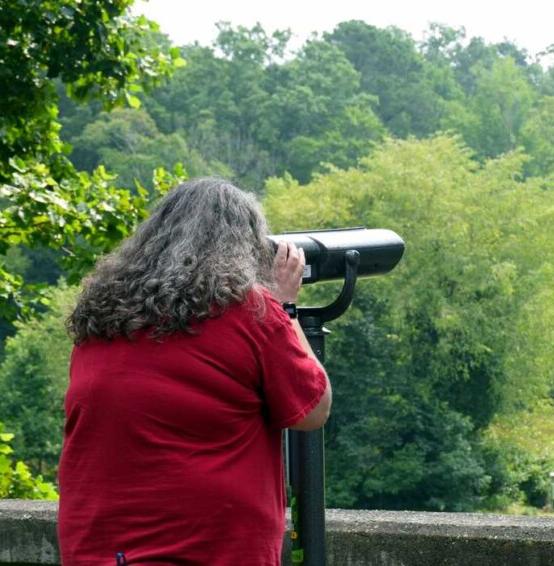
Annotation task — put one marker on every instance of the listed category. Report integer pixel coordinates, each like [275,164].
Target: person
[185,370]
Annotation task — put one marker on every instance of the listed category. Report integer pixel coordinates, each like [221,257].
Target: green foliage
[98,52]
[404,448]
[322,115]
[394,72]
[537,135]
[443,371]
[492,118]
[242,104]
[16,481]
[33,380]
[83,215]
[221,102]
[519,447]
[501,101]
[128,143]
[93,46]
[452,338]
[239,104]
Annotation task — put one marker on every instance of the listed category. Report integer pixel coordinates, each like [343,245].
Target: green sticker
[298,556]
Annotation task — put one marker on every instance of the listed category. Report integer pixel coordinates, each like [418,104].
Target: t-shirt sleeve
[293,383]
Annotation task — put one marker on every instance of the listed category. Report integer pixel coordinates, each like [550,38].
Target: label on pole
[297,553]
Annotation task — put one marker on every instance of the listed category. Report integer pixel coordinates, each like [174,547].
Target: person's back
[172,450]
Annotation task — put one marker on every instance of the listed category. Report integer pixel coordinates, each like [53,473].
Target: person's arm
[320,413]
[288,268]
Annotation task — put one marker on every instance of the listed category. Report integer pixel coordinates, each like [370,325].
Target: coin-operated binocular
[343,254]
[327,251]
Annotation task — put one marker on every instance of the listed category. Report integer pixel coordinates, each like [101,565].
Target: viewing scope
[344,254]
[325,250]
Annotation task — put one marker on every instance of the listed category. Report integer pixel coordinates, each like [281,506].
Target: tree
[350,135]
[432,353]
[491,120]
[239,103]
[83,215]
[448,46]
[33,380]
[128,143]
[16,480]
[94,47]
[537,134]
[392,70]
[220,101]
[321,114]
[97,51]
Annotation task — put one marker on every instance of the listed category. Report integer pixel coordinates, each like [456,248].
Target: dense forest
[442,371]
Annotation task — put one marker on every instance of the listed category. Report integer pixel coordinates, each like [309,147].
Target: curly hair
[203,248]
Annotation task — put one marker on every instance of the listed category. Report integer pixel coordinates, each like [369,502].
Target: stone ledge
[354,538]
[28,532]
[449,525]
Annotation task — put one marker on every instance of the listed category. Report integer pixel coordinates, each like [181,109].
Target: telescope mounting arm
[319,315]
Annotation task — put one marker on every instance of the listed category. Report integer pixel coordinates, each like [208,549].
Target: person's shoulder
[273,312]
[265,294]
[261,308]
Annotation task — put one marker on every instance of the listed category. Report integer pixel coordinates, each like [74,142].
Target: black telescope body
[380,251]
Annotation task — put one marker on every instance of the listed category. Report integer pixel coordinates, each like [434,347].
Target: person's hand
[288,267]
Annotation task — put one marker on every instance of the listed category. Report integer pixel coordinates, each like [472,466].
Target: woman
[185,370]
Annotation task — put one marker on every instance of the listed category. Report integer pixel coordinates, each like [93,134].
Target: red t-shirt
[172,450]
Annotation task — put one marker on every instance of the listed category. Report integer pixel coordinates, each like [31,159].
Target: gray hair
[203,248]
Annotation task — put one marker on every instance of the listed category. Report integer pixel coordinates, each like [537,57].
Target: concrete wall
[354,538]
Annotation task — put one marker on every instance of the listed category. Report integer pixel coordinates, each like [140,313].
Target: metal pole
[308,473]
[306,449]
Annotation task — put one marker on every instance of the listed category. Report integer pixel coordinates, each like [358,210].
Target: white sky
[530,23]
